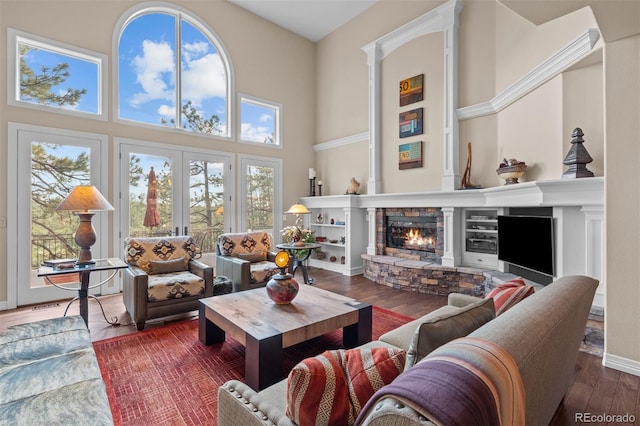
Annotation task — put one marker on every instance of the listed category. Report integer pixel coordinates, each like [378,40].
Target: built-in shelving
[480,237]
[344,239]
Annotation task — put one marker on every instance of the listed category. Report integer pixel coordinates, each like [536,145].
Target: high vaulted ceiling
[315,19]
[312,19]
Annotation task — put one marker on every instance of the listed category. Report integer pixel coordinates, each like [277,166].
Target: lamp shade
[84,198]
[298,209]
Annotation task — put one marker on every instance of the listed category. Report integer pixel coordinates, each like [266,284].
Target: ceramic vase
[282,288]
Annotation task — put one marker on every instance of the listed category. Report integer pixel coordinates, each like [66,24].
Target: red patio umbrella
[151,215]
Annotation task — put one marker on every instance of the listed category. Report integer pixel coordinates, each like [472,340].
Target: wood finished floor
[596,389]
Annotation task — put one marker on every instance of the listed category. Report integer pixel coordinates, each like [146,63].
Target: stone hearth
[423,276]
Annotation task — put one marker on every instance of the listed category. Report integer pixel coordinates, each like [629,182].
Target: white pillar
[452,236]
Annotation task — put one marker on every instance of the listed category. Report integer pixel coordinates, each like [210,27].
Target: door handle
[177,230]
[186,230]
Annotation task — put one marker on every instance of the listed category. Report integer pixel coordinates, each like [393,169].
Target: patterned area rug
[166,376]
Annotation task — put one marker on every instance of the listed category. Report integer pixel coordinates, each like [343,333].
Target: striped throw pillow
[507,294]
[332,387]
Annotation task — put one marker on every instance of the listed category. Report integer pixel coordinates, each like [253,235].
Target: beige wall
[622,112]
[420,56]
[269,63]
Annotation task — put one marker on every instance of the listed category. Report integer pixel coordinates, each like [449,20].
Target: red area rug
[166,376]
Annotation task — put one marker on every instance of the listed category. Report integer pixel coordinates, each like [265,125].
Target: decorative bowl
[511,173]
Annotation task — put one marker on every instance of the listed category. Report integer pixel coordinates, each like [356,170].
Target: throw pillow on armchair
[508,294]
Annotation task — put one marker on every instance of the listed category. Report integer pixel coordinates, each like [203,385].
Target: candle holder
[319,189]
[312,187]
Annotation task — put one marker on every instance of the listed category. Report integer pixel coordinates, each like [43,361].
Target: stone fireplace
[410,233]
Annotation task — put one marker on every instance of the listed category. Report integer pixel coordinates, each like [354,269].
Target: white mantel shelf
[552,193]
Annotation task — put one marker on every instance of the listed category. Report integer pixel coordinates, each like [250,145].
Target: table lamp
[84,200]
[298,210]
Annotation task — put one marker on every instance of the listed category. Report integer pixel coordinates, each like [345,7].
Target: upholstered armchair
[246,258]
[163,277]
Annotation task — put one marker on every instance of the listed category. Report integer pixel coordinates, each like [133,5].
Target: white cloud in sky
[248,132]
[203,74]
[167,111]
[264,118]
[203,78]
[156,62]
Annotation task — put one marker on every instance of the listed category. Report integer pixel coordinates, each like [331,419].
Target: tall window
[55,76]
[172,72]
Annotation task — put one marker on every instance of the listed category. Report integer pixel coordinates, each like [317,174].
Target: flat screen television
[527,242]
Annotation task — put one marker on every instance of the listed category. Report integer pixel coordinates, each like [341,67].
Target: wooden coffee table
[265,328]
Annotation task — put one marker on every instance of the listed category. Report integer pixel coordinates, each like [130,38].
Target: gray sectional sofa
[542,334]
[49,375]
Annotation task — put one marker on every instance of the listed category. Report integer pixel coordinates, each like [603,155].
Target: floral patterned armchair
[163,277]
[246,258]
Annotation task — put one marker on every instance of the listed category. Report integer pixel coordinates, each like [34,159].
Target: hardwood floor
[597,390]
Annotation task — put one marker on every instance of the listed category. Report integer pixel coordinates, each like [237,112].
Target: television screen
[528,242]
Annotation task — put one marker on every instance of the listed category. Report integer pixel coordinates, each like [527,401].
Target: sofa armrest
[460,300]
[271,256]
[236,269]
[205,272]
[238,404]
[134,295]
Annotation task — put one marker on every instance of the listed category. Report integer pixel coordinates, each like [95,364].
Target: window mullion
[178,82]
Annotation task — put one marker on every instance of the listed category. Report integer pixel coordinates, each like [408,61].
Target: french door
[167,191]
[50,163]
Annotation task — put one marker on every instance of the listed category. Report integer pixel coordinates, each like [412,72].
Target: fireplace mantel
[578,207]
[551,193]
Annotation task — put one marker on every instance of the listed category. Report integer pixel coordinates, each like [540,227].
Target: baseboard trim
[621,364]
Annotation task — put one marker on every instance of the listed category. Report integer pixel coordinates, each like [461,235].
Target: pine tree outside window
[53,76]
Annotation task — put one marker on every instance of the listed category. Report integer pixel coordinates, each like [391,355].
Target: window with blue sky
[171,74]
[260,121]
[49,74]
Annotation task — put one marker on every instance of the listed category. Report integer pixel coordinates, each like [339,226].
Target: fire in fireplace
[412,233]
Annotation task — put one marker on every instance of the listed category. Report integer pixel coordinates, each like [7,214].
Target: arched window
[172,71]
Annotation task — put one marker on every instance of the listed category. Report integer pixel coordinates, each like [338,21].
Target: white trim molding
[336,143]
[619,363]
[561,60]
[444,18]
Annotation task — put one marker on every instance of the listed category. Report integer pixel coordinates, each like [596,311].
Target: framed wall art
[410,123]
[410,155]
[411,90]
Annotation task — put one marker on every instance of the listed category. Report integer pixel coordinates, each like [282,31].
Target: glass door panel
[206,204]
[50,166]
[261,200]
[150,195]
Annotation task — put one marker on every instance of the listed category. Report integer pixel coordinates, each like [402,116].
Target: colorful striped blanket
[467,381]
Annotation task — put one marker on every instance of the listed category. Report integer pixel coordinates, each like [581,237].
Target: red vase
[282,288]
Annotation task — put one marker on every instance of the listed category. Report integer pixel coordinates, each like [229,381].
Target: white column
[594,248]
[374,58]
[451,174]
[371,248]
[452,234]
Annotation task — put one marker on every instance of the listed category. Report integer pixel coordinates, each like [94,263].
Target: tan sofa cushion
[174,285]
[244,243]
[141,251]
[442,329]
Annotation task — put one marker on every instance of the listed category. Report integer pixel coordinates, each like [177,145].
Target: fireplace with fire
[412,233]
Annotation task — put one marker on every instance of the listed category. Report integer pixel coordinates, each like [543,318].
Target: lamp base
[85,238]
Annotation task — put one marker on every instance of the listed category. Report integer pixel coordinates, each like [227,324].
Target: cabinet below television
[342,242]
[480,237]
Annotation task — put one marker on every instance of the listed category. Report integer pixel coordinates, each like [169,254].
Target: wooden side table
[84,271]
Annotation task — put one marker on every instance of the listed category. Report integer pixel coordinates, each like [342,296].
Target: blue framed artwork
[410,155]
[410,123]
